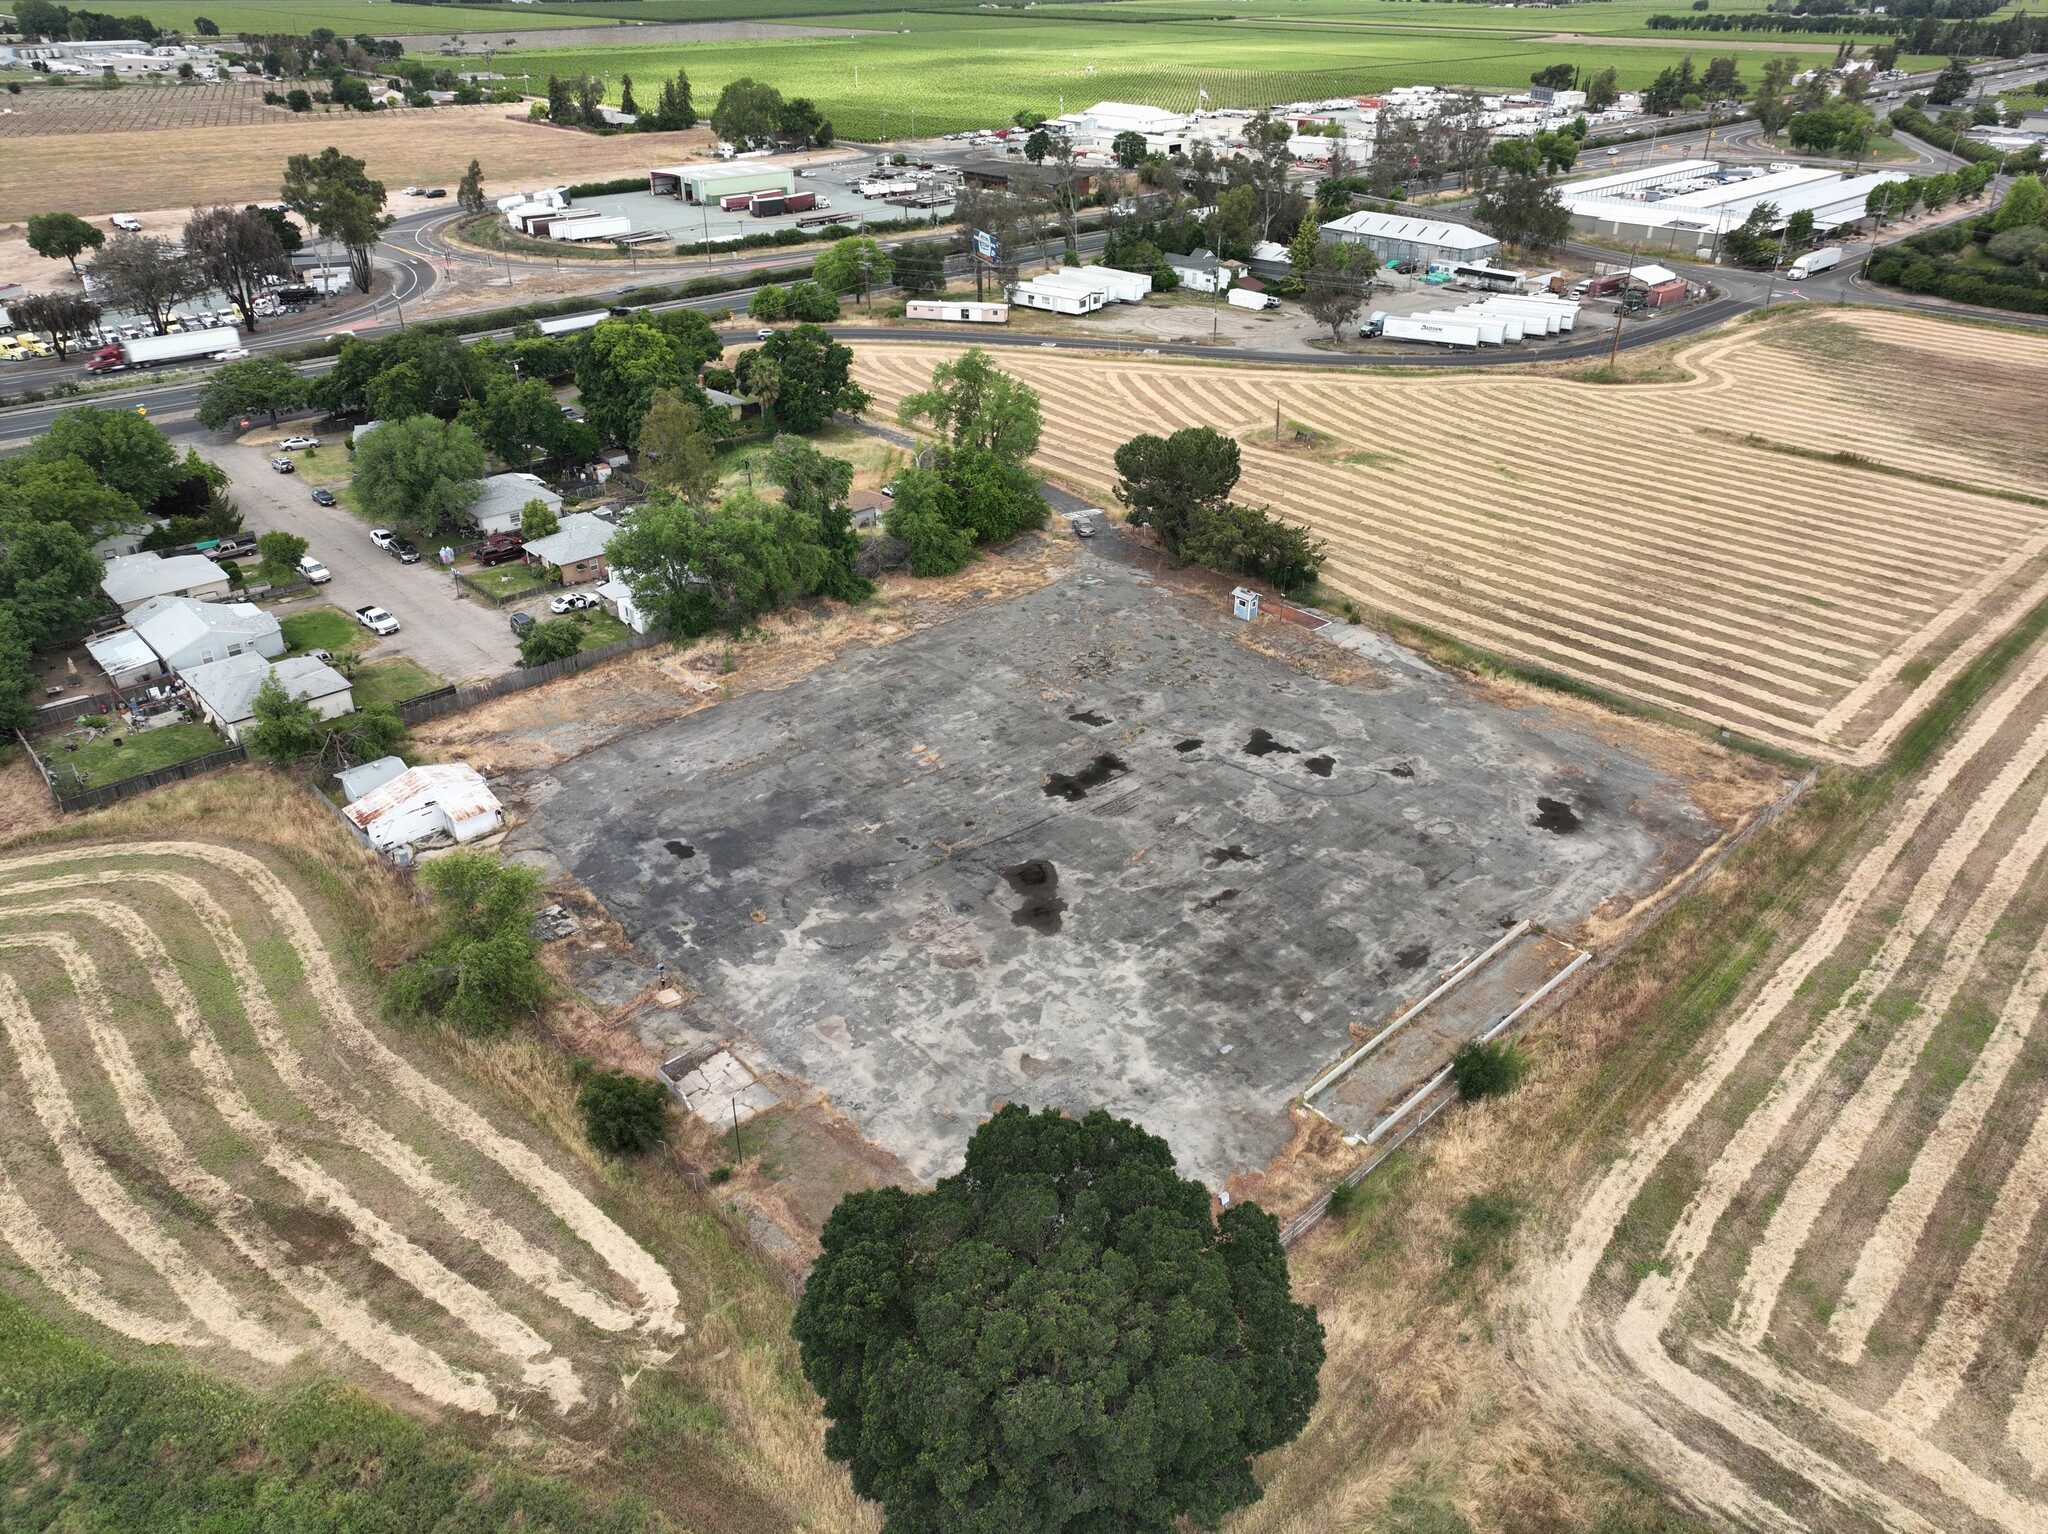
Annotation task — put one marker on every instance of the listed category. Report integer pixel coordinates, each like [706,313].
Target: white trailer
[568,324]
[1533,322]
[1565,310]
[149,351]
[1513,327]
[1816,261]
[1056,297]
[971,311]
[1245,298]
[1124,287]
[591,228]
[1437,332]
[1493,329]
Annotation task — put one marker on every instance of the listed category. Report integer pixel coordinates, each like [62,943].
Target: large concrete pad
[1088,847]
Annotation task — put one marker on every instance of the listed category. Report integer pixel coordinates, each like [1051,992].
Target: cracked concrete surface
[1088,848]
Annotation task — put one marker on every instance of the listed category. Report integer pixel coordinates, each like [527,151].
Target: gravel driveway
[458,638]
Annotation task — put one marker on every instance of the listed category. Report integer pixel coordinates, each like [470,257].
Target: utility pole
[1621,307]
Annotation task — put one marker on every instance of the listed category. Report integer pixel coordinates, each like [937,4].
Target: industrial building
[713,183]
[1392,237]
[1690,205]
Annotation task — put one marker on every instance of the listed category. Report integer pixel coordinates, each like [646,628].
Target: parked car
[383,537]
[435,191]
[376,620]
[323,497]
[410,191]
[311,569]
[573,601]
[284,466]
[127,223]
[404,553]
[521,622]
[325,657]
[294,444]
[500,548]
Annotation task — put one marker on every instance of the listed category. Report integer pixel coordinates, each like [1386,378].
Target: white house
[399,806]
[225,690]
[504,498]
[132,579]
[186,633]
[1200,271]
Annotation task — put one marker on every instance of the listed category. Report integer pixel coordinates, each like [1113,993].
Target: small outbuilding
[127,661]
[617,596]
[394,805]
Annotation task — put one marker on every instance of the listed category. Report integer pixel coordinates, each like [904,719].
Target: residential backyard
[82,762]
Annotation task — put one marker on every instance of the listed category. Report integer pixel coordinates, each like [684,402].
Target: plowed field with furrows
[1697,545]
[203,1143]
[1811,1292]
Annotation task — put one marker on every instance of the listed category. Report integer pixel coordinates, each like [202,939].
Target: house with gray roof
[132,579]
[225,691]
[576,550]
[503,500]
[185,633]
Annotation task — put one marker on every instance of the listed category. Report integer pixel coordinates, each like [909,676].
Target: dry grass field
[209,1146]
[1790,538]
[92,171]
[1811,1295]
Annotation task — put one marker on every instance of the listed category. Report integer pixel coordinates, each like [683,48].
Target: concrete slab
[1089,848]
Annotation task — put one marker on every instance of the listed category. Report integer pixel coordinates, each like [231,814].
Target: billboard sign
[985,247]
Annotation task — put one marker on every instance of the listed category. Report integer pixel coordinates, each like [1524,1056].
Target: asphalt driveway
[456,637]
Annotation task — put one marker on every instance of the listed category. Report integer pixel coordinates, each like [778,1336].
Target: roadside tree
[278,555]
[422,469]
[1953,83]
[259,386]
[64,318]
[332,193]
[1336,286]
[770,302]
[815,375]
[921,267]
[234,251]
[149,277]
[1525,212]
[941,1330]
[812,303]
[469,191]
[286,728]
[63,236]
[974,404]
[853,266]
[125,451]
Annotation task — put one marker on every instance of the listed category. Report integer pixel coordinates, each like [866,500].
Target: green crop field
[381,17]
[965,70]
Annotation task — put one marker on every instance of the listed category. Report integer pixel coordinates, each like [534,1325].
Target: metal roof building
[421,804]
[1392,237]
[1695,219]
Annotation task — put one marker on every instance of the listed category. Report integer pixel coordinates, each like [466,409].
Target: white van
[312,570]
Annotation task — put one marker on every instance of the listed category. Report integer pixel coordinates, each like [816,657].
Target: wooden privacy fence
[453,700]
[126,788]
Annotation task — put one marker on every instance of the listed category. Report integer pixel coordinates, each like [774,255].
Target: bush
[480,970]
[1488,1070]
[1346,1199]
[770,302]
[552,639]
[622,1115]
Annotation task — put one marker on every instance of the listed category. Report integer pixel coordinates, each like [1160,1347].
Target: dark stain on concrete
[1089,717]
[1221,897]
[680,849]
[1074,786]
[1192,743]
[1262,743]
[1414,956]
[1043,910]
[1401,770]
[1557,817]
[1321,766]
[1234,853]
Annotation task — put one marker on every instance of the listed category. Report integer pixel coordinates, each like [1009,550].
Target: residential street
[458,639]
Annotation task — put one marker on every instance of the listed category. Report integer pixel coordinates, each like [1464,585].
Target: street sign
[985,246]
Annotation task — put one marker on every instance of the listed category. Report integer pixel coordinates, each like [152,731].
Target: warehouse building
[1689,207]
[711,183]
[1392,237]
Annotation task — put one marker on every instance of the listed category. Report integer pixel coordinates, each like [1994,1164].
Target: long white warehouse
[1693,216]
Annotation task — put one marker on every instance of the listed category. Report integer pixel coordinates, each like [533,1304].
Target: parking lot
[1089,847]
[457,638]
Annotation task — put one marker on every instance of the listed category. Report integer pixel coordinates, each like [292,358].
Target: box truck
[151,351]
[1816,261]
[1244,298]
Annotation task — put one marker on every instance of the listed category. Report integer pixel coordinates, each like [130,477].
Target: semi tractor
[154,351]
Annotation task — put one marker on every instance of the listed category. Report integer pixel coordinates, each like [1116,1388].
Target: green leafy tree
[205,27]
[622,1115]
[286,729]
[551,639]
[62,490]
[673,110]
[1799,229]
[925,515]
[1167,480]
[853,266]
[1334,288]
[278,555]
[469,191]
[627,104]
[921,267]
[816,485]
[2026,202]
[537,519]
[624,366]
[149,277]
[677,452]
[815,376]
[1488,1070]
[974,404]
[124,451]
[264,386]
[335,196]
[17,675]
[1127,149]
[1037,146]
[692,569]
[1307,242]
[746,113]
[518,420]
[299,100]
[812,303]
[62,237]
[1604,89]
[1249,540]
[421,469]
[374,730]
[480,970]
[1525,212]
[62,317]
[1953,83]
[1060,1337]
[770,302]
[49,580]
